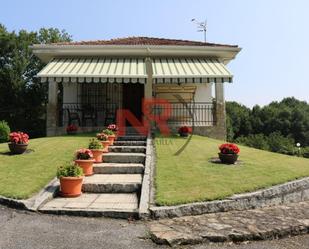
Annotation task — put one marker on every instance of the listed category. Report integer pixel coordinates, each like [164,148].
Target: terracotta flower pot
[111,139]
[17,148]
[105,144]
[97,155]
[71,186]
[86,165]
[228,158]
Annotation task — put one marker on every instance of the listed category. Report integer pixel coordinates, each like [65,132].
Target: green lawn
[190,176]
[21,176]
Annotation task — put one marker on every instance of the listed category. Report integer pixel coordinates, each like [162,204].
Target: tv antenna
[201,27]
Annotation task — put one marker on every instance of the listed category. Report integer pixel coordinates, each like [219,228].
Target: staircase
[114,189]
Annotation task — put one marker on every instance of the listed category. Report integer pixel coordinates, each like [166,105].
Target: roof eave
[47,52]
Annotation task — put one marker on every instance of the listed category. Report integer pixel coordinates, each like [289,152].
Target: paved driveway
[19,229]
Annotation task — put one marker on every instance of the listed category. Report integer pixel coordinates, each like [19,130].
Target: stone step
[132,138]
[115,157]
[134,149]
[112,183]
[118,168]
[115,205]
[130,143]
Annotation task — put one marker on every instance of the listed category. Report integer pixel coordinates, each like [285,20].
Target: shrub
[69,170]
[281,144]
[19,138]
[83,154]
[258,141]
[4,131]
[305,152]
[95,144]
[229,148]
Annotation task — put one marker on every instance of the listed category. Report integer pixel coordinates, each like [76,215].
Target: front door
[133,95]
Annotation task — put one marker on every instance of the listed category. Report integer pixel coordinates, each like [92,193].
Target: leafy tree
[22,96]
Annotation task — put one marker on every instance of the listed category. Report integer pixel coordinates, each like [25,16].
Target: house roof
[151,41]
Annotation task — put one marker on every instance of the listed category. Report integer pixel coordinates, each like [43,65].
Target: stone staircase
[114,189]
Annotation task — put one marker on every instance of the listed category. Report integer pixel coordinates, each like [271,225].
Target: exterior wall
[70,92]
[203,92]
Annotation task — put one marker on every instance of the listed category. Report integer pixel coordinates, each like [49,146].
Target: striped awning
[133,70]
[95,70]
[186,70]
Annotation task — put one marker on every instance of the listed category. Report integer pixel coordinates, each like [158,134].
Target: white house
[89,81]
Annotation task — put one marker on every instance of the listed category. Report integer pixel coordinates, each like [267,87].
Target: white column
[52,109]
[148,86]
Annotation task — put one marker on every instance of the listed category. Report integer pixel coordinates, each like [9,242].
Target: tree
[22,96]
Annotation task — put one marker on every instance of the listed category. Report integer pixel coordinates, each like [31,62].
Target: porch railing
[190,114]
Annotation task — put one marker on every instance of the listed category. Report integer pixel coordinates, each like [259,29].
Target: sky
[273,34]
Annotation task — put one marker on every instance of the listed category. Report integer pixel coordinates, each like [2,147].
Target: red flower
[83,154]
[19,138]
[112,127]
[102,137]
[72,127]
[229,148]
[184,129]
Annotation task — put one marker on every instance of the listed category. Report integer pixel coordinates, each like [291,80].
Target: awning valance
[194,70]
[95,70]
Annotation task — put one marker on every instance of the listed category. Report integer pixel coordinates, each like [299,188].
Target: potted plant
[110,135]
[18,142]
[71,129]
[71,179]
[84,159]
[183,131]
[113,128]
[228,153]
[103,138]
[97,150]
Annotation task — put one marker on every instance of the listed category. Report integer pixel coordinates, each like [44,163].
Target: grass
[190,177]
[21,176]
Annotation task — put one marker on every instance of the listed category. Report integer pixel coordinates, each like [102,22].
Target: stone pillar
[148,91]
[220,114]
[52,109]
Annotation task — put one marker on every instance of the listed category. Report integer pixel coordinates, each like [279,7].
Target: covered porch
[89,91]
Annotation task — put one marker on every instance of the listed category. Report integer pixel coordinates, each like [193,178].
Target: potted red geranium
[110,135]
[18,142]
[228,153]
[183,131]
[71,129]
[103,138]
[113,128]
[84,159]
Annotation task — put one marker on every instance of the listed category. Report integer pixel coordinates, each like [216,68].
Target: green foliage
[275,127]
[22,96]
[4,131]
[305,152]
[69,169]
[108,132]
[257,141]
[95,144]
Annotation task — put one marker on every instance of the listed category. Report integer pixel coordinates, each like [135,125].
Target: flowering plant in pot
[71,179]
[110,134]
[113,128]
[97,150]
[84,159]
[183,131]
[72,129]
[103,138]
[18,142]
[228,153]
